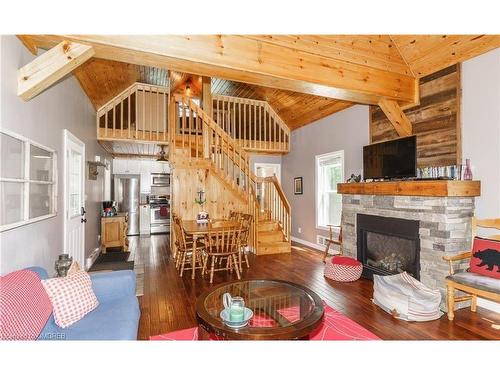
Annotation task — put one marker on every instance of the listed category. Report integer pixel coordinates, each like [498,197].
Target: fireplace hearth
[388,245]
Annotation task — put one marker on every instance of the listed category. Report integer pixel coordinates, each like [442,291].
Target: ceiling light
[162,158]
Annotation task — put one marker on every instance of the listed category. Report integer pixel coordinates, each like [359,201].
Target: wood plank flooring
[168,303]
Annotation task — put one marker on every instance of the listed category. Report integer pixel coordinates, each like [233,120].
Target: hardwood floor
[168,303]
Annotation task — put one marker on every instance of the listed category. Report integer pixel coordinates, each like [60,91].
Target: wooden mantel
[424,188]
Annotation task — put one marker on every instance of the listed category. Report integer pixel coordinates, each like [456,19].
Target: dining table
[199,230]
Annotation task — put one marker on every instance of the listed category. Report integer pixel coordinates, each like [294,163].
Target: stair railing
[137,113]
[275,204]
[253,124]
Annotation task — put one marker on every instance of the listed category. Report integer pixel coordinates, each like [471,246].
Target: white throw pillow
[72,297]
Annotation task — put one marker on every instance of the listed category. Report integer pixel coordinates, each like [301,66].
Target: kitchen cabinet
[145,219]
[126,166]
[114,232]
[144,168]
[157,167]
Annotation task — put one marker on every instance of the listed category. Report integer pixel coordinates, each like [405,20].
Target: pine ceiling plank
[376,51]
[427,54]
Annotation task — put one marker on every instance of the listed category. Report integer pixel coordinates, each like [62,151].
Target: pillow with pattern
[485,258]
[72,297]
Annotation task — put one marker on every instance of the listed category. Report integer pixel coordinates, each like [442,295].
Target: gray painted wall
[481,127]
[347,130]
[481,134]
[43,119]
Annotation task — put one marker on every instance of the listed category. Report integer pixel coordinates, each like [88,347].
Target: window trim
[26,181]
[339,153]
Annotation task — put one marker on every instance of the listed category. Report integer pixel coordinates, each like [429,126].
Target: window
[329,172]
[27,181]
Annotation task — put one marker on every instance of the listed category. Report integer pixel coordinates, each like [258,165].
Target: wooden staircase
[215,151]
[271,239]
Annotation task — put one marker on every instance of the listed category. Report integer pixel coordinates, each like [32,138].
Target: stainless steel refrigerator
[126,196]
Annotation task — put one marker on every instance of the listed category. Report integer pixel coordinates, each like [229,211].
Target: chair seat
[475,280]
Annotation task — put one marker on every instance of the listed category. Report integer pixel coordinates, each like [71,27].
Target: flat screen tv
[391,159]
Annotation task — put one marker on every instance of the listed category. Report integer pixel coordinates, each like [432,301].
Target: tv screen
[391,159]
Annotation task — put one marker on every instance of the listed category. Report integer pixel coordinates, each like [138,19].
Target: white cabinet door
[158,167]
[133,166]
[145,219]
[126,166]
[146,176]
[119,166]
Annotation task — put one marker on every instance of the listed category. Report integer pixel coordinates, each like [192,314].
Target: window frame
[26,181]
[318,158]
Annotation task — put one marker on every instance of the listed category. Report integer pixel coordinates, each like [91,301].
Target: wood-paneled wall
[436,121]
[220,200]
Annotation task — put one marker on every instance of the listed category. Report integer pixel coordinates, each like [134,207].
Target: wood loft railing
[197,137]
[139,113]
[274,204]
[253,124]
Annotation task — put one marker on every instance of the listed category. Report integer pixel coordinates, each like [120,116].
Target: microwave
[160,179]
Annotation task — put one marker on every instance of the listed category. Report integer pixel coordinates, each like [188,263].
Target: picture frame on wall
[298,187]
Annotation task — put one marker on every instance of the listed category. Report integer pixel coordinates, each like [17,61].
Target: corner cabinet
[114,232]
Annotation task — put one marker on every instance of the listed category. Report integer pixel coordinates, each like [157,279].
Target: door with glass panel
[74,197]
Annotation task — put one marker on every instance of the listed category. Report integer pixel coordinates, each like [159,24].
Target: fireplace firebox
[388,245]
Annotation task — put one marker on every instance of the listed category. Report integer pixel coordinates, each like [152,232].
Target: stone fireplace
[394,232]
[387,245]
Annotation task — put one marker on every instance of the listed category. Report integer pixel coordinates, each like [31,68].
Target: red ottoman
[343,269]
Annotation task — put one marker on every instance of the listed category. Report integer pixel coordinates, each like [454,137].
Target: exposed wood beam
[29,43]
[206,95]
[244,59]
[50,67]
[396,116]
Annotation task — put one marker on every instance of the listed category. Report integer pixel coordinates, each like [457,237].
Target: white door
[266,170]
[74,197]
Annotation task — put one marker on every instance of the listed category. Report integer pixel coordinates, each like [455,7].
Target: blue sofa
[116,317]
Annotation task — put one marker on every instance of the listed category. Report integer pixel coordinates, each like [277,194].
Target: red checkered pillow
[72,297]
[24,306]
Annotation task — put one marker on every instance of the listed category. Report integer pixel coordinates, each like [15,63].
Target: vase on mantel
[467,170]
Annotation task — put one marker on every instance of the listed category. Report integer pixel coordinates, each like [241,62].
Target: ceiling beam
[29,43]
[46,69]
[244,59]
[396,116]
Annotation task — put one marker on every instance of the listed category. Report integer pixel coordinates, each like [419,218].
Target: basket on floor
[344,269]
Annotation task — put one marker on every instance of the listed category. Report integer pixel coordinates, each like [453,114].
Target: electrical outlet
[300,230]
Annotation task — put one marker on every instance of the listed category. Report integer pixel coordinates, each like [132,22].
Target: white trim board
[307,243]
[489,305]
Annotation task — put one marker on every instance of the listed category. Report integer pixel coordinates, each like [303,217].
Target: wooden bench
[473,284]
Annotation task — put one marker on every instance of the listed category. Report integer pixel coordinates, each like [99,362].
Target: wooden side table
[114,231]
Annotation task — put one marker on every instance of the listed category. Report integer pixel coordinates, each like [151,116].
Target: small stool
[344,269]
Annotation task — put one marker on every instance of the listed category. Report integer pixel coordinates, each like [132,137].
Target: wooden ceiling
[303,77]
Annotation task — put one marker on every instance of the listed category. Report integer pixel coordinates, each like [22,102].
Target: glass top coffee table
[282,310]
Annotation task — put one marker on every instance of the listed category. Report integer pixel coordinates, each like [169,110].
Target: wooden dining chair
[222,247]
[184,248]
[333,241]
[246,222]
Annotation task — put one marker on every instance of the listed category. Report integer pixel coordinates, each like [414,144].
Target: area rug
[117,261]
[112,261]
[335,326]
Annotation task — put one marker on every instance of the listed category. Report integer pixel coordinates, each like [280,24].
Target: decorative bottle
[468,170]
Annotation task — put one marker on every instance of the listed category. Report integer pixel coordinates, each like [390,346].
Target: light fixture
[162,155]
[188,87]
